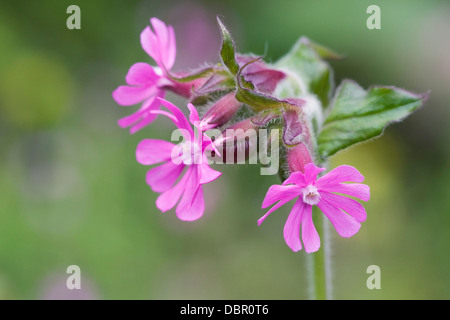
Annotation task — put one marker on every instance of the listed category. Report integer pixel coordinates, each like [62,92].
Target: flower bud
[298,157]
[258,73]
[238,141]
[264,117]
[221,112]
[184,89]
[295,129]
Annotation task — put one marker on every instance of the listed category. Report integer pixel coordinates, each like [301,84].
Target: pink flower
[145,83]
[188,156]
[311,191]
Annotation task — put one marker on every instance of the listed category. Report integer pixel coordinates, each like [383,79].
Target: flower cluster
[240,93]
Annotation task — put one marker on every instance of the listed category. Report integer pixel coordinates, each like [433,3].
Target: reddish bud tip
[221,112]
[298,157]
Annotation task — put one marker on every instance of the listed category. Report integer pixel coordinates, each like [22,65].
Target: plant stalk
[319,269]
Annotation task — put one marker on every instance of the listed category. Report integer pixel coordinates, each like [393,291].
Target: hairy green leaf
[194,75]
[358,115]
[227,52]
[304,62]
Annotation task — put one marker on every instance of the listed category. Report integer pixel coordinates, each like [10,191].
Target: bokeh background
[71,191]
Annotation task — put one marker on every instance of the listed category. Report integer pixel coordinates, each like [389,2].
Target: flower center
[158,71]
[190,153]
[205,123]
[310,195]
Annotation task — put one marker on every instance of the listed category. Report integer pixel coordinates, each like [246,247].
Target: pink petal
[340,174]
[147,118]
[129,120]
[164,113]
[310,237]
[160,44]
[169,198]
[166,40]
[208,144]
[196,210]
[280,192]
[291,230]
[357,190]
[297,178]
[162,178]
[172,49]
[162,36]
[311,172]
[151,151]
[143,116]
[207,174]
[275,207]
[193,116]
[352,207]
[150,44]
[141,74]
[182,122]
[160,29]
[189,196]
[127,96]
[284,197]
[345,225]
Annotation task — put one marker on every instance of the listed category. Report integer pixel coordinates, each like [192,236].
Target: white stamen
[158,71]
[191,153]
[310,195]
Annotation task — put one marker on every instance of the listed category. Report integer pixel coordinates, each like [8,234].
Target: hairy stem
[319,262]
[316,265]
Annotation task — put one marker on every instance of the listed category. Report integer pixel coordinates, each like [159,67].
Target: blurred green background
[71,191]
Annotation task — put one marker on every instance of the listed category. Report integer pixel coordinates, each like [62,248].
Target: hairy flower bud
[184,89]
[263,78]
[298,157]
[221,112]
[238,141]
[295,128]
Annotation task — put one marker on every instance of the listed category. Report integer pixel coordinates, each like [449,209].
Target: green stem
[318,262]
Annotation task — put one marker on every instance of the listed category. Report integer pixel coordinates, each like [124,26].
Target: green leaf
[227,52]
[324,52]
[358,115]
[305,62]
[194,75]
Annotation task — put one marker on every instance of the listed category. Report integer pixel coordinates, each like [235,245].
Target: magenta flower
[145,83]
[311,191]
[188,156]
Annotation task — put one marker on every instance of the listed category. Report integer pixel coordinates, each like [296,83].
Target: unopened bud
[238,141]
[298,157]
[295,128]
[221,112]
[263,78]
[184,89]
